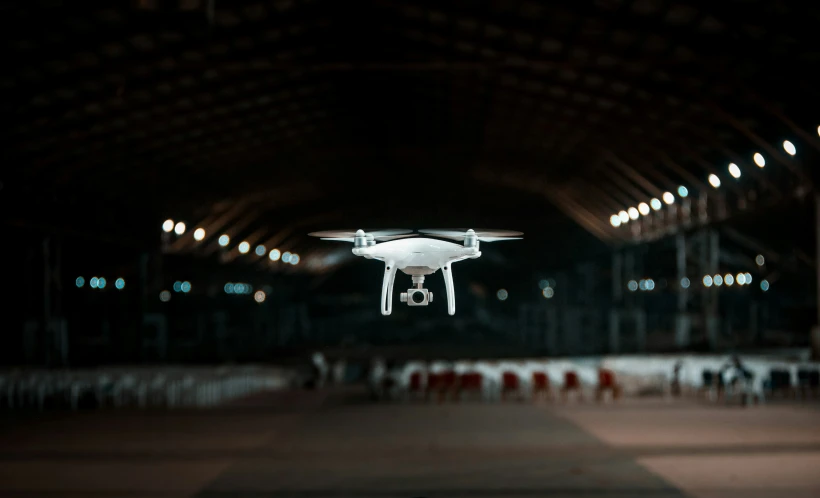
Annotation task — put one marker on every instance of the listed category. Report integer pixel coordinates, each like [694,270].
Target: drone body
[417,258]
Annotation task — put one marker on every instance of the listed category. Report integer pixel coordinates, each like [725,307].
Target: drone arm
[387,288]
[448,285]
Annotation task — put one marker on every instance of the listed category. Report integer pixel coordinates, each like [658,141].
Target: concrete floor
[336,444]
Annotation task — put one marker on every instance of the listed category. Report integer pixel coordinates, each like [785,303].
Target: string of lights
[224,240]
[99,283]
[631,213]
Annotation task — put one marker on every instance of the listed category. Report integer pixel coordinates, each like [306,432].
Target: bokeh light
[259,296]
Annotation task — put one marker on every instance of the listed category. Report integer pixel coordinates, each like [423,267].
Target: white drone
[417,257]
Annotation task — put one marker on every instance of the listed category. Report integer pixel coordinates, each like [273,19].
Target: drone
[417,257]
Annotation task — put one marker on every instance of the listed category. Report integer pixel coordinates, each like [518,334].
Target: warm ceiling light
[168,225]
[624,216]
[759,159]
[179,228]
[643,208]
[633,213]
[714,180]
[789,148]
[244,247]
[199,234]
[274,255]
[668,198]
[734,170]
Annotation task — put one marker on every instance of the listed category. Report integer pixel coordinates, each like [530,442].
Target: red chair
[540,385]
[510,383]
[607,383]
[470,382]
[442,384]
[433,382]
[571,384]
[415,386]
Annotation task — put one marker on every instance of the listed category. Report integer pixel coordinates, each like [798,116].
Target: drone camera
[417,297]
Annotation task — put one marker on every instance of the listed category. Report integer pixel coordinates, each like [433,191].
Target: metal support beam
[682,322]
[815,333]
[712,319]
[46,333]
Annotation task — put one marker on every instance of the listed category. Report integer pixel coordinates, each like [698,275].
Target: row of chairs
[798,383]
[143,388]
[450,385]
[606,378]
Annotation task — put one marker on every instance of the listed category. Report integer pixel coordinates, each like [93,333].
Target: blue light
[632,285]
[119,283]
[229,288]
[186,286]
[683,191]
[684,282]
[239,288]
[543,284]
[764,285]
[101,283]
[80,281]
[502,294]
[286,257]
[93,282]
[260,250]
[177,286]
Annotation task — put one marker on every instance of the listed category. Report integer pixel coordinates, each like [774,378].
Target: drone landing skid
[418,280]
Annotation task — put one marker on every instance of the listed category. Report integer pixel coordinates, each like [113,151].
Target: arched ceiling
[273,118]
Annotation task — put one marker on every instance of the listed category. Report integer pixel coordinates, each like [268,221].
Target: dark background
[267,120]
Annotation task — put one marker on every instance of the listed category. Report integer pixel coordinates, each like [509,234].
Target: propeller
[484,235]
[350,235]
